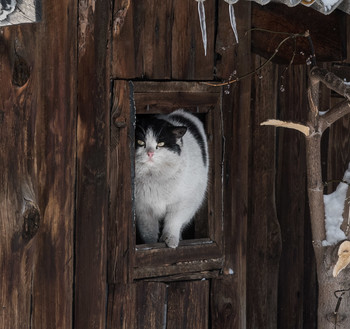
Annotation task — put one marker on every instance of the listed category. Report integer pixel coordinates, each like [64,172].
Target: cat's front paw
[170,240]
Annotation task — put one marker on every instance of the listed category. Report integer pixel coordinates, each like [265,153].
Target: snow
[334,207]
[328,4]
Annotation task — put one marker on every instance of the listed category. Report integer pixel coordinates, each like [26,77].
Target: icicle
[201,13]
[231,12]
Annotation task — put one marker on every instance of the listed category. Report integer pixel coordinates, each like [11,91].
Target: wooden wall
[67,244]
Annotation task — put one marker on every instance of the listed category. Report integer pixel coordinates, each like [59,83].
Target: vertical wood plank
[142,39]
[188,305]
[291,197]
[121,236]
[121,313]
[18,179]
[188,60]
[37,118]
[151,298]
[226,45]
[264,242]
[92,166]
[229,309]
[57,48]
[162,40]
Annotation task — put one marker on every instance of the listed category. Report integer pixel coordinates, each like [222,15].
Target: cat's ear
[179,131]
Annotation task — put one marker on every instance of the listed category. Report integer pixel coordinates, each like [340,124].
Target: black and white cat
[171,174]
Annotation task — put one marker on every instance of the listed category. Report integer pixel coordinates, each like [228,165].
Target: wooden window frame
[198,255]
[192,259]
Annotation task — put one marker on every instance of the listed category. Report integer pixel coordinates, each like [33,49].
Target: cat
[171,174]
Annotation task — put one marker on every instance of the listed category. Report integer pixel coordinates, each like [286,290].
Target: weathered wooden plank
[190,276]
[188,305]
[226,311]
[188,61]
[165,97]
[121,312]
[151,300]
[291,197]
[92,172]
[184,269]
[142,39]
[161,40]
[226,45]
[18,183]
[188,250]
[174,87]
[121,235]
[229,306]
[37,119]
[329,44]
[264,243]
[166,103]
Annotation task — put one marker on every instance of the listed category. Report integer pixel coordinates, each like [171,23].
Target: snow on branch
[334,208]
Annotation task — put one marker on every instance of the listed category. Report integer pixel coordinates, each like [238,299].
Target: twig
[290,36]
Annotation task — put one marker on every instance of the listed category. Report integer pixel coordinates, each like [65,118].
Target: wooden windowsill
[157,260]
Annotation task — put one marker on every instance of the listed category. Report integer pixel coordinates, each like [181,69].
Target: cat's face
[157,142]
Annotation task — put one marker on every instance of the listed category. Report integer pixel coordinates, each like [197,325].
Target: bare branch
[331,81]
[334,114]
[285,124]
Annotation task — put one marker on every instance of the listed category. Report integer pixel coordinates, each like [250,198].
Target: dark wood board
[121,233]
[264,242]
[121,311]
[328,33]
[92,166]
[151,305]
[229,308]
[188,305]
[37,124]
[161,40]
[291,197]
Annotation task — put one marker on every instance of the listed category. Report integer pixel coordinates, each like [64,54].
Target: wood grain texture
[121,232]
[188,305]
[121,312]
[151,301]
[92,166]
[18,177]
[329,44]
[161,40]
[226,45]
[230,292]
[290,199]
[264,243]
[38,122]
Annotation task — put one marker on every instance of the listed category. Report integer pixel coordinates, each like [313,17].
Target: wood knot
[21,72]
[31,221]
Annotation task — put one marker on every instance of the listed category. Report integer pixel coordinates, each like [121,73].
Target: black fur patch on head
[194,131]
[163,130]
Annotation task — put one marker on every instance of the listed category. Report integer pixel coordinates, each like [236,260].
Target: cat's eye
[160,144]
[140,142]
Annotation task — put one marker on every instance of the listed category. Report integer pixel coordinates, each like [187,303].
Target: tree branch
[334,114]
[285,124]
[331,81]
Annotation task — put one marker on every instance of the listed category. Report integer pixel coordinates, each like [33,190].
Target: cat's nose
[150,154]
